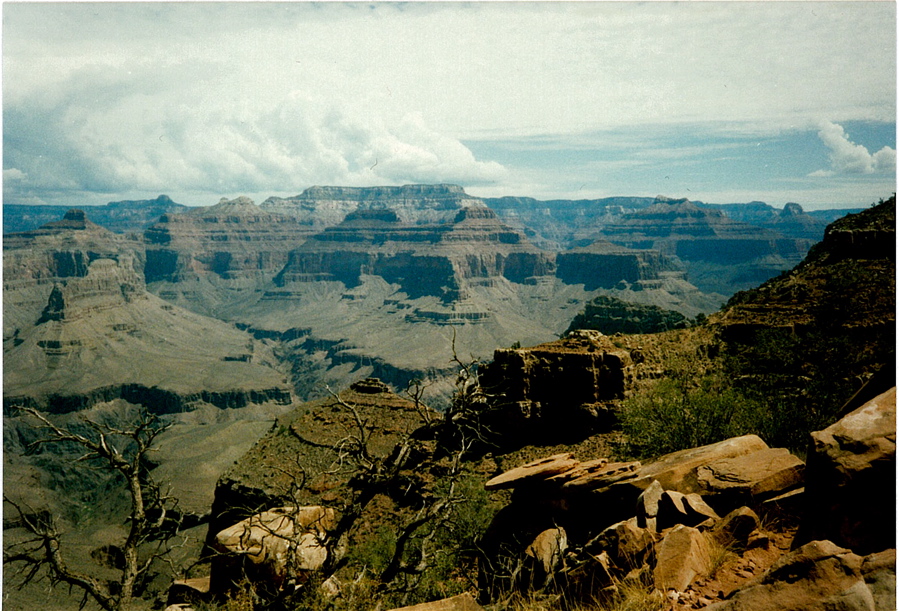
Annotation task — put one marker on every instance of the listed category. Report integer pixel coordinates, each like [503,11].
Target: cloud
[134,140]
[846,157]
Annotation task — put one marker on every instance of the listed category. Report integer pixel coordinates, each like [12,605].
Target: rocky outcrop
[270,548]
[320,207]
[606,265]
[850,489]
[846,281]
[817,576]
[526,382]
[460,602]
[120,217]
[624,516]
[434,260]
[230,240]
[302,447]
[610,315]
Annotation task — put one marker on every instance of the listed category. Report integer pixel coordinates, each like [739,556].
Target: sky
[720,102]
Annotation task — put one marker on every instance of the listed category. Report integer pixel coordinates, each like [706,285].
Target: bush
[679,413]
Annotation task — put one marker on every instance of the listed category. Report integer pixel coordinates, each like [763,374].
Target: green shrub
[679,413]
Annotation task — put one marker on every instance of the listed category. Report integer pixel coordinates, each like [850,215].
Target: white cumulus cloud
[847,157]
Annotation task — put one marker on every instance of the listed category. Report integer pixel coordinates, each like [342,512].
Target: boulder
[879,571]
[544,556]
[277,544]
[851,479]
[533,471]
[677,508]
[678,470]
[596,478]
[648,505]
[682,555]
[462,602]
[758,475]
[588,467]
[626,543]
[819,576]
[736,527]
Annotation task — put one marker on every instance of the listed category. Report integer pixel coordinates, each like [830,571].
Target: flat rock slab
[462,602]
[762,474]
[533,471]
[598,477]
[678,470]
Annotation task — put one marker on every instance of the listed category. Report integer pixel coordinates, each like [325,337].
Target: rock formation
[81,328]
[609,316]
[413,204]
[526,383]
[846,282]
[849,494]
[301,449]
[435,260]
[230,240]
[606,265]
[717,251]
[119,217]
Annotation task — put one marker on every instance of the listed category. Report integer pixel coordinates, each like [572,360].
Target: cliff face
[415,204]
[847,280]
[424,260]
[562,224]
[80,328]
[231,240]
[721,255]
[120,217]
[681,228]
[528,406]
[606,265]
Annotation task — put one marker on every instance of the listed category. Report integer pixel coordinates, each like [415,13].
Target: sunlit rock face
[232,240]
[433,259]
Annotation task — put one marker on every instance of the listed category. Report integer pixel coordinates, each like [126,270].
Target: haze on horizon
[715,101]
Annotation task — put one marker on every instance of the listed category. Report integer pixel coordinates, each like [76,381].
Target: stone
[648,505]
[678,470]
[580,478]
[677,508]
[851,479]
[533,471]
[591,370]
[626,542]
[276,542]
[681,556]
[879,571]
[736,527]
[758,475]
[588,467]
[546,553]
[818,576]
[462,602]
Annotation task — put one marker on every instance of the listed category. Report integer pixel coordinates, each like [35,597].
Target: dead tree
[152,519]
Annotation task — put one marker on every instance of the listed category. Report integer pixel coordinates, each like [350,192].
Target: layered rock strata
[82,329]
[414,204]
[606,265]
[526,383]
[230,240]
[433,260]
[681,228]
